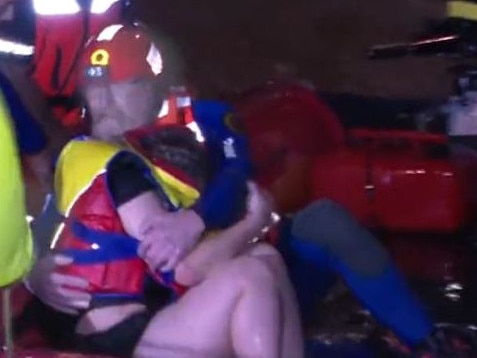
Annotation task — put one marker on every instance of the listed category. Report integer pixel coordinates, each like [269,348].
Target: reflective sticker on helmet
[96,71]
[109,32]
[100,58]
[154,59]
[101,6]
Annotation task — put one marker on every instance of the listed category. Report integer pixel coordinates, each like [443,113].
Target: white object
[462,115]
[109,32]
[69,7]
[15,48]
[154,59]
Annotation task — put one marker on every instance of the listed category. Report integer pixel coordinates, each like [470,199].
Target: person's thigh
[199,324]
[291,335]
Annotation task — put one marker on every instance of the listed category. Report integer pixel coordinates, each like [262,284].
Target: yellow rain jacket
[16,244]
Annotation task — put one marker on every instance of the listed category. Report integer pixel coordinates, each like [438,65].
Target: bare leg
[292,335]
[241,295]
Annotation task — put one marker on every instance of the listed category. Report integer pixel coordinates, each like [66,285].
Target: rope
[7,323]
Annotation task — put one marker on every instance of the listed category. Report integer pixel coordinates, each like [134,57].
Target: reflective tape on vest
[69,7]
[15,48]
[183,102]
[164,109]
[101,6]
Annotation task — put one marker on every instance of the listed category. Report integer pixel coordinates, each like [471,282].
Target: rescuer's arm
[218,248]
[228,150]
[44,280]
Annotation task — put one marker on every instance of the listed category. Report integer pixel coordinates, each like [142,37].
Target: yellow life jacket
[83,160]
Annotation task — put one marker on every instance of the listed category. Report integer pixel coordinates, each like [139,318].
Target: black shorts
[118,341]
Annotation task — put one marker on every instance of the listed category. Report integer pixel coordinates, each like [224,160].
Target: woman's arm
[213,251]
[133,194]
[138,214]
[143,216]
[223,246]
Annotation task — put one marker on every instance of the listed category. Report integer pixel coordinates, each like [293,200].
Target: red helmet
[121,53]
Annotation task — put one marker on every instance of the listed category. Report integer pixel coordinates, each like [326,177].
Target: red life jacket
[92,232]
[62,29]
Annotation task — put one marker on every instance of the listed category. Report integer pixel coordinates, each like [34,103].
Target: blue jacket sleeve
[223,201]
[30,136]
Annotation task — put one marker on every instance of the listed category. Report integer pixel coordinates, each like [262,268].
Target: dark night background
[230,45]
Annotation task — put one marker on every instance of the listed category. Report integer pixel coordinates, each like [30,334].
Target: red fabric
[134,139]
[72,120]
[95,210]
[59,42]
[287,125]
[58,45]
[176,114]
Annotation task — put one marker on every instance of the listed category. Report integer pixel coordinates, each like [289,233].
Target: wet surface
[343,320]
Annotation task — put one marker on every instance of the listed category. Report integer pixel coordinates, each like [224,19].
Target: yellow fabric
[81,161]
[462,10]
[16,244]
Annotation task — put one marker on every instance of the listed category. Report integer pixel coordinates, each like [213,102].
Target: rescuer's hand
[170,238]
[62,292]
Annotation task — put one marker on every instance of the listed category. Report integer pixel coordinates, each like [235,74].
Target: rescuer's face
[119,107]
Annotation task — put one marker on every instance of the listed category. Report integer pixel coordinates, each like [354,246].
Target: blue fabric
[309,270]
[386,294]
[231,174]
[30,136]
[108,246]
[45,225]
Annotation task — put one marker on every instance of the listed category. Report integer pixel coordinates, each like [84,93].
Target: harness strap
[105,246]
[108,247]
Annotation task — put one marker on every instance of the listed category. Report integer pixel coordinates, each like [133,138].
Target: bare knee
[253,270]
[270,255]
[263,249]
